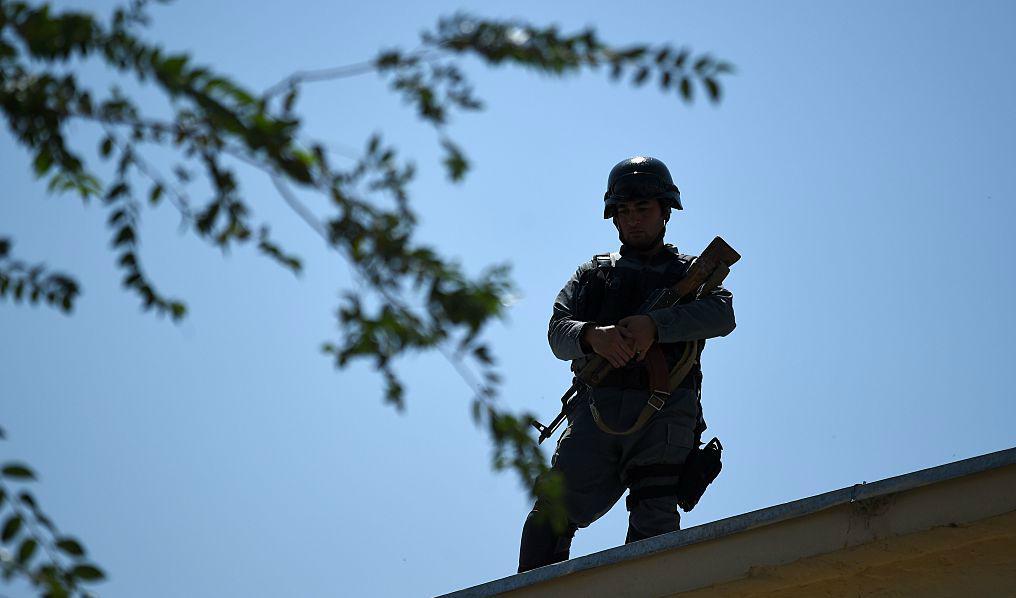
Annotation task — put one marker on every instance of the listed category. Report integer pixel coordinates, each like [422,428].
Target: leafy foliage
[21,281]
[418,300]
[31,546]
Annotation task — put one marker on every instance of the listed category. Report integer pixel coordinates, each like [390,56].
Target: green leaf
[88,572]
[70,546]
[132,278]
[27,499]
[640,76]
[686,88]
[681,57]
[17,471]
[51,578]
[455,161]
[116,191]
[482,353]
[172,67]
[116,216]
[86,186]
[724,67]
[26,551]
[43,161]
[107,147]
[125,235]
[155,195]
[388,59]
[11,528]
[713,88]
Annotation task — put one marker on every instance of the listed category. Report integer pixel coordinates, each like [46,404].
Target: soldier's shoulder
[601,260]
[587,265]
[678,256]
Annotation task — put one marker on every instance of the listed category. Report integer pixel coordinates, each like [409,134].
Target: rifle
[705,274]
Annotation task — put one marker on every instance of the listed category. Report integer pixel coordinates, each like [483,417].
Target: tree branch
[177,197]
[308,217]
[336,72]
[325,74]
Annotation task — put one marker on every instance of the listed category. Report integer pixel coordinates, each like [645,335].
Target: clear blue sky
[861,161]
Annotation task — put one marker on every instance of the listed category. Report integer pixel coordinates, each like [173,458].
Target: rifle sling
[659,386]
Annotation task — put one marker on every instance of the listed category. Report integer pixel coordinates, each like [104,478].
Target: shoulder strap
[660,385]
[606,260]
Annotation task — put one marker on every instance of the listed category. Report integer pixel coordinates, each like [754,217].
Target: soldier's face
[640,222]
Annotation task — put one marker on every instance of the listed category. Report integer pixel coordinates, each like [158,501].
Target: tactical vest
[614,287]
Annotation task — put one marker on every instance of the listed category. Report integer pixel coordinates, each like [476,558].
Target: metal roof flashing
[868,494]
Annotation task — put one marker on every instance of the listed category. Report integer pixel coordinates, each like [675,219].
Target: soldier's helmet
[640,177]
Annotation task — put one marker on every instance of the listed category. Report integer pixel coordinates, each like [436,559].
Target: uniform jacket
[579,302]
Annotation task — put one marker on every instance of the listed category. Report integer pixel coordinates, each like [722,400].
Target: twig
[177,197]
[338,72]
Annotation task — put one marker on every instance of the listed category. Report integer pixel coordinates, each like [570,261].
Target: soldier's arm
[708,317]
[565,332]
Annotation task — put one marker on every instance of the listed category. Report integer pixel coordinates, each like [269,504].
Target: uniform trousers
[597,468]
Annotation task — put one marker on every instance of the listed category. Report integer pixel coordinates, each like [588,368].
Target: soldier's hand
[613,343]
[642,330]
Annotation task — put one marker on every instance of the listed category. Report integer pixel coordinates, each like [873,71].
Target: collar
[665,254]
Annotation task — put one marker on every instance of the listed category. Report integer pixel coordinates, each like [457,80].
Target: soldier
[597,313]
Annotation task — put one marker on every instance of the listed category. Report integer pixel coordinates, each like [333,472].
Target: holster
[700,469]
